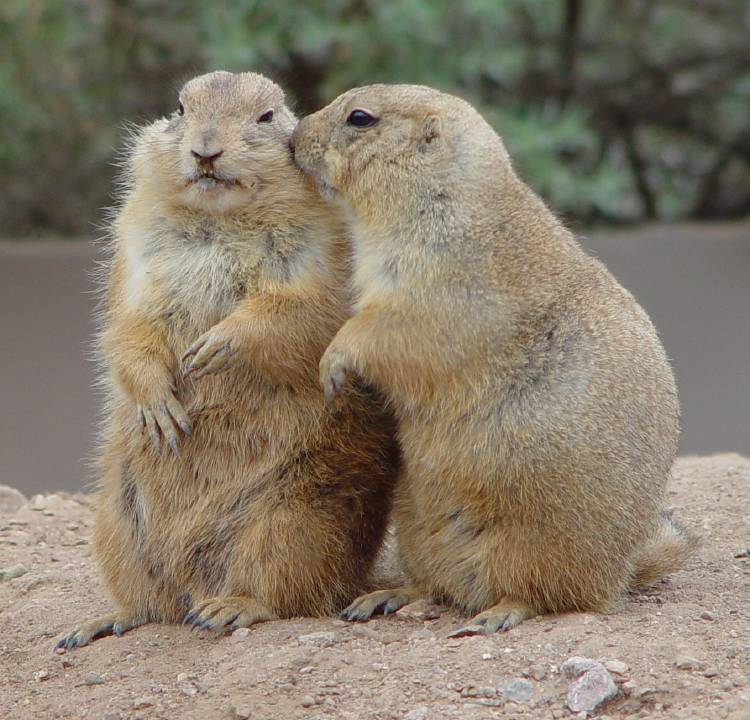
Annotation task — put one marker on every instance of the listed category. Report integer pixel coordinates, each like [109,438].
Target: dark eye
[361,119]
[266,116]
[180,108]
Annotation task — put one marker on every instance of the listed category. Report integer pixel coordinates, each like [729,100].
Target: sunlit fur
[273,498]
[537,411]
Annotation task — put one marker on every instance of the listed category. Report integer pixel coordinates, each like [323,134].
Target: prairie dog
[230,494]
[537,412]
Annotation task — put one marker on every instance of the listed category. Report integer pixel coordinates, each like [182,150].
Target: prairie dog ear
[432,130]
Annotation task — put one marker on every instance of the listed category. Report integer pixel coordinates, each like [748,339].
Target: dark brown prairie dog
[229,492]
[537,411]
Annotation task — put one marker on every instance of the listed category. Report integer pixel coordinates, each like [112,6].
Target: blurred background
[631,118]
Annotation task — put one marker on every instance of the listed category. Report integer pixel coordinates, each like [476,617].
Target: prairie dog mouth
[210,181]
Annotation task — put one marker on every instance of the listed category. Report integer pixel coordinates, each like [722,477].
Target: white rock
[618,667]
[575,666]
[419,713]
[592,689]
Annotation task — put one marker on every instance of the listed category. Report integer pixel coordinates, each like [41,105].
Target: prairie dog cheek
[333,168]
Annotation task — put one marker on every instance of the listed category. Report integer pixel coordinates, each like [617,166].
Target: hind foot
[380,601]
[114,624]
[227,613]
[505,615]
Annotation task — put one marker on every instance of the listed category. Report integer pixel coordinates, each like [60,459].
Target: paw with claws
[227,613]
[380,601]
[335,374]
[164,419]
[214,352]
[503,616]
[98,628]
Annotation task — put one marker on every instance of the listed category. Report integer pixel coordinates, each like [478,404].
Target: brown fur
[537,411]
[275,506]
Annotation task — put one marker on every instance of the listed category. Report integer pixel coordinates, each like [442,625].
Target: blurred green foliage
[614,110]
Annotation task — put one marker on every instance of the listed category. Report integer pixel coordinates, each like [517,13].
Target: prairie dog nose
[205,157]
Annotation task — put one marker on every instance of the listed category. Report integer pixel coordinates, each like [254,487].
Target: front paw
[213,352]
[162,418]
[335,374]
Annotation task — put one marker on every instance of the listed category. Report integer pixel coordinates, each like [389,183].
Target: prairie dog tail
[664,553]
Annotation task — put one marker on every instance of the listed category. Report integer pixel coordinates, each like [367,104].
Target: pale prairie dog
[235,497]
[537,411]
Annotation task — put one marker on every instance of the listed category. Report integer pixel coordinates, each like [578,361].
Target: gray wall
[693,280]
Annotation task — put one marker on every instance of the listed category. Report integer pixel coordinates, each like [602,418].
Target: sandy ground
[691,278]
[682,648]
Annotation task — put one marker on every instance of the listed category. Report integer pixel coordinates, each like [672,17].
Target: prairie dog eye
[180,108]
[361,119]
[266,117]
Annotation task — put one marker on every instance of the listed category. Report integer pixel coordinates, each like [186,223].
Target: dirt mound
[680,651]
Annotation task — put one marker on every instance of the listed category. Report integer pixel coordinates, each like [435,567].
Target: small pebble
[419,713]
[478,692]
[307,701]
[241,633]
[575,666]
[12,572]
[706,615]
[685,662]
[93,679]
[42,675]
[318,639]
[616,666]
[518,690]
